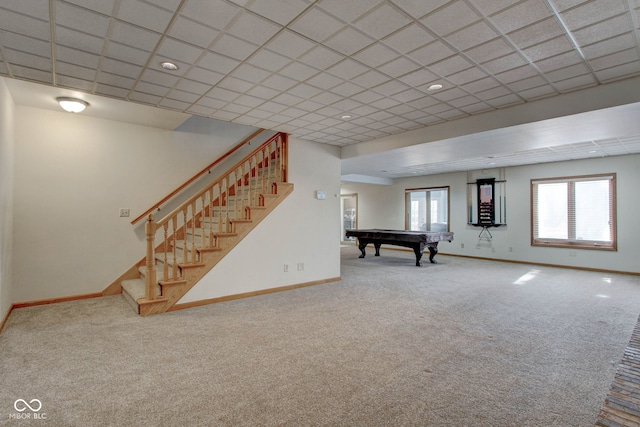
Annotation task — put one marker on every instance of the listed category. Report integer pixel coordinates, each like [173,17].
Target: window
[427,209]
[574,212]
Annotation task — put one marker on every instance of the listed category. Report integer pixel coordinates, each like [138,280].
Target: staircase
[188,242]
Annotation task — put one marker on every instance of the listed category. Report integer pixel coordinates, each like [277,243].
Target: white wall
[302,229]
[72,174]
[383,207]
[6,198]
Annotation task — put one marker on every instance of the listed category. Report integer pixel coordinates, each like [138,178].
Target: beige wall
[74,172]
[383,207]
[6,199]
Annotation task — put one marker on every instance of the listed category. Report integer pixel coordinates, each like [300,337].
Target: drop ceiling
[302,66]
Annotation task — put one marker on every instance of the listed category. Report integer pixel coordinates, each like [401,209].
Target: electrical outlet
[461,245]
[286,268]
[124,212]
[300,266]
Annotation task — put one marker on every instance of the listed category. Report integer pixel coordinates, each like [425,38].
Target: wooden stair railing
[169,196]
[199,224]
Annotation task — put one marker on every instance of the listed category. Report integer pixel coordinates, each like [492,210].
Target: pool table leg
[433,250]
[362,247]
[418,253]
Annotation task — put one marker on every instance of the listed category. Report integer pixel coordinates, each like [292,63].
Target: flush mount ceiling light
[169,66]
[72,105]
[434,87]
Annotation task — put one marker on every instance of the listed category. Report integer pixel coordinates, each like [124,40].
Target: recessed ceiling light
[592,151]
[72,105]
[435,87]
[346,117]
[170,66]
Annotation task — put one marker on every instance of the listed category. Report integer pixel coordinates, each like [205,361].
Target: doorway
[349,209]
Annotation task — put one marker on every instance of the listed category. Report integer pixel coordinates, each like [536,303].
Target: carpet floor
[463,342]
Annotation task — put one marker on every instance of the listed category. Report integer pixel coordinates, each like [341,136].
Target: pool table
[416,240]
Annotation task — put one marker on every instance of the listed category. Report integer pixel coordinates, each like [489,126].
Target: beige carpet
[460,343]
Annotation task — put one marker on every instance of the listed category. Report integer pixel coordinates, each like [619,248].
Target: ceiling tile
[316,24]
[347,69]
[347,89]
[491,50]
[268,60]
[382,21]
[505,63]
[159,77]
[134,36]
[279,11]
[399,67]
[250,73]
[82,73]
[592,12]
[253,28]
[192,86]
[234,47]
[213,13]
[431,53]
[419,8]
[521,15]
[324,81]
[605,47]
[466,76]
[348,10]
[74,56]
[298,71]
[17,57]
[517,74]
[348,41]
[560,61]
[192,32]
[144,15]
[320,57]
[376,55]
[234,84]
[370,79]
[114,80]
[450,66]
[278,82]
[537,33]
[472,35]
[177,50]
[22,43]
[31,74]
[289,44]
[120,68]
[127,54]
[450,18]
[549,48]
[409,38]
[219,63]
[418,77]
[489,7]
[77,40]
[204,76]
[25,25]
[603,30]
[105,7]
[81,19]
[112,91]
[33,8]
[615,59]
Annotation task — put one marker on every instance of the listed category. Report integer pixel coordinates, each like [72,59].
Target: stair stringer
[208,258]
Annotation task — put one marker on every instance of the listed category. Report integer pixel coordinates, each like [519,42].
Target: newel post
[150,273]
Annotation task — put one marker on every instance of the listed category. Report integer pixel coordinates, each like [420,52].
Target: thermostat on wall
[321,195]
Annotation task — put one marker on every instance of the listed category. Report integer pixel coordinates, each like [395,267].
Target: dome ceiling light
[72,105]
